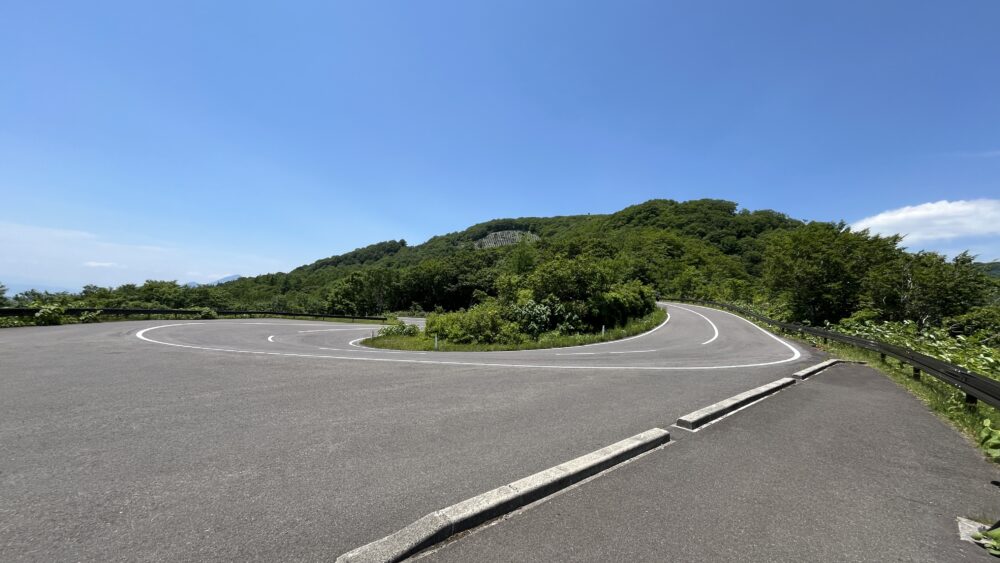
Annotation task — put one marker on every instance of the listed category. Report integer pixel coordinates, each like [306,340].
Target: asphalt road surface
[844,467]
[286,440]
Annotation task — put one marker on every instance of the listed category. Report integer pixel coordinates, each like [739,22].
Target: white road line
[715,328]
[142,336]
[795,351]
[606,353]
[276,324]
[373,350]
[271,338]
[647,333]
[334,329]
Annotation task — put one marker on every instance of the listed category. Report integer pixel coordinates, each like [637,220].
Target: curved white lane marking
[715,328]
[142,336]
[374,351]
[606,353]
[271,338]
[795,351]
[334,329]
[647,333]
[276,324]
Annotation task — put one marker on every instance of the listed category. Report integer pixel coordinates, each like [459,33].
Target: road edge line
[441,524]
[692,421]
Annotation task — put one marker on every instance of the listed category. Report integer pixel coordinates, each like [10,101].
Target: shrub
[206,313]
[989,439]
[936,342]
[399,329]
[49,315]
[531,317]
[484,323]
[621,302]
[90,316]
[981,322]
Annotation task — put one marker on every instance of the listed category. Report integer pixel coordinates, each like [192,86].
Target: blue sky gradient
[193,139]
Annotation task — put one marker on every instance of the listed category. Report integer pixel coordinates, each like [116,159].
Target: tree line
[593,270]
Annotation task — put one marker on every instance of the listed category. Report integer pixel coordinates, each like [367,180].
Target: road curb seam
[701,417]
[812,370]
[441,524]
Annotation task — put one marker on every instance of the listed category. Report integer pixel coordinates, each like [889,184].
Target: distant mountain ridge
[991,269]
[219,281]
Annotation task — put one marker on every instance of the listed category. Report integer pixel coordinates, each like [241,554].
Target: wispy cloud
[44,256]
[939,220]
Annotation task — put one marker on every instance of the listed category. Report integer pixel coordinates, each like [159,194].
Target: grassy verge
[424,343]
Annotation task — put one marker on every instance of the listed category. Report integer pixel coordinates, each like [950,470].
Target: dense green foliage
[49,315]
[421,341]
[592,270]
[991,269]
[824,272]
[972,352]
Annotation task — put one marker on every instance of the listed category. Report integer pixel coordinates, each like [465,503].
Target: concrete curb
[702,417]
[811,370]
[441,524]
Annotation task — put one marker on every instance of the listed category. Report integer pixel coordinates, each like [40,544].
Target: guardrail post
[916,373]
[970,400]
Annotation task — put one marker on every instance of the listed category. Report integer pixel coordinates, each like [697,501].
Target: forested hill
[811,272]
[716,222]
[660,242]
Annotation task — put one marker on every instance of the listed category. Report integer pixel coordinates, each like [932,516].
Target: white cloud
[34,256]
[939,220]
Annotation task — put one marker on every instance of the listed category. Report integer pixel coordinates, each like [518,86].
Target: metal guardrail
[30,312]
[976,387]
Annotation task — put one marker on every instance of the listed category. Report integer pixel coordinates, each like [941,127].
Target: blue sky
[190,140]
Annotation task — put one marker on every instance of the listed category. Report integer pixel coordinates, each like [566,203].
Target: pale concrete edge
[701,417]
[441,524]
[804,373]
[813,370]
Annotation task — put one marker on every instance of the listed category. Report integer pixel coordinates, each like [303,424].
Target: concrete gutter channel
[439,525]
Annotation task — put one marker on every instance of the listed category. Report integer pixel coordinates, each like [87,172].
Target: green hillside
[597,269]
[660,243]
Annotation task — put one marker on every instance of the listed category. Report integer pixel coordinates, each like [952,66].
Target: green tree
[818,270]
